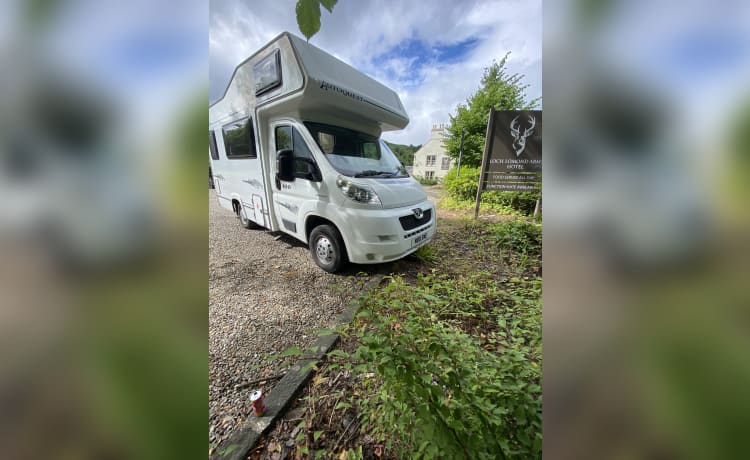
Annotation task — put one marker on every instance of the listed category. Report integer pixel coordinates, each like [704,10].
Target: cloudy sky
[432,53]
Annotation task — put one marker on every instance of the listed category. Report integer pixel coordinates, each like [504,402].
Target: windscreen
[356,154]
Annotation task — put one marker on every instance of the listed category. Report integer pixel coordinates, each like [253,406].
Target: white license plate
[418,240]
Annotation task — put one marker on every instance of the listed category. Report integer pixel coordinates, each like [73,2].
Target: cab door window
[284,138]
[303,159]
[288,137]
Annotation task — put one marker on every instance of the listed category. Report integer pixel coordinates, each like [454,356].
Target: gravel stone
[265,296]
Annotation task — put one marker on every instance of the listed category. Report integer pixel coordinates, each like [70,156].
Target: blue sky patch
[418,54]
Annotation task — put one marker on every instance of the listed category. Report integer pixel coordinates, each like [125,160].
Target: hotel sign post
[512,158]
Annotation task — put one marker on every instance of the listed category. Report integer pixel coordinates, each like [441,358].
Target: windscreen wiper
[372,173]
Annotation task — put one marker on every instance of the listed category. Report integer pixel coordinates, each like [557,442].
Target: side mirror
[285,165]
[312,173]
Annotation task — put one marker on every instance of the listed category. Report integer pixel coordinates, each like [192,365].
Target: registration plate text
[419,240]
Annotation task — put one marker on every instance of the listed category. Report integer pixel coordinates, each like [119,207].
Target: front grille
[416,232]
[409,222]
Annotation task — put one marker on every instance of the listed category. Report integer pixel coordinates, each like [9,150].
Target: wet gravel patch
[265,296]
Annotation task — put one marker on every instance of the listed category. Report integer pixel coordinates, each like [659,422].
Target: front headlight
[358,193]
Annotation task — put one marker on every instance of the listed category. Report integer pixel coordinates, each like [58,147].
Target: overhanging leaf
[328,4]
[308,17]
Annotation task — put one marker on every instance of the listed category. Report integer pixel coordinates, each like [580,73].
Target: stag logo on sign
[519,138]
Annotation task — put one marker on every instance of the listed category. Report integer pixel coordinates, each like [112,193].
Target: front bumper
[376,236]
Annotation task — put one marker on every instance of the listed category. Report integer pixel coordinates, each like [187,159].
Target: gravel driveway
[265,296]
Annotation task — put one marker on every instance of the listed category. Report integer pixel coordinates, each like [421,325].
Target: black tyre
[247,223]
[327,248]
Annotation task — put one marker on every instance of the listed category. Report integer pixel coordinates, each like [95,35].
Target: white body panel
[318,88]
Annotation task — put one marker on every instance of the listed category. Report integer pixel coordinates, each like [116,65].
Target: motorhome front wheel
[327,248]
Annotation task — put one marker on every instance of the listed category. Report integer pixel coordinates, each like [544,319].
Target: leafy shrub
[426,254]
[448,202]
[464,188]
[519,235]
[425,181]
[443,389]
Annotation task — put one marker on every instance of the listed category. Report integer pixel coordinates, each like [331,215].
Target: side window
[212,145]
[239,139]
[301,168]
[283,138]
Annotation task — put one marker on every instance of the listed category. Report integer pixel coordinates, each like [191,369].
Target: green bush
[425,181]
[450,203]
[457,368]
[519,235]
[464,189]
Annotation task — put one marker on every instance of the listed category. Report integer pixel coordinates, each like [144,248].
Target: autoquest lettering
[331,87]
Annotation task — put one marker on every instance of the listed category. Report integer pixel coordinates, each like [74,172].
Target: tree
[498,90]
[405,153]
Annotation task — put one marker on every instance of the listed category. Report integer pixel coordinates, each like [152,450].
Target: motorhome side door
[243,176]
[289,197]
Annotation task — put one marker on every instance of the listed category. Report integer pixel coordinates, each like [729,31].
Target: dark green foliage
[498,90]
[464,189]
[518,235]
[404,153]
[458,367]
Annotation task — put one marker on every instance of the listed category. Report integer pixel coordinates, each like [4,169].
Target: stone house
[431,161]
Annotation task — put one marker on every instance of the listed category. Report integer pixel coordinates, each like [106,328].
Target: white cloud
[358,32]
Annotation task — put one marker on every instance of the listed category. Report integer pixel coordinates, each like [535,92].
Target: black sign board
[512,152]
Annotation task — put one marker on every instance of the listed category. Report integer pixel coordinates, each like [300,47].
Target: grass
[450,203]
[426,254]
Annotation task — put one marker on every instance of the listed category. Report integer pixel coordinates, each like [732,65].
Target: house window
[446,163]
[239,139]
[429,174]
[430,160]
[212,145]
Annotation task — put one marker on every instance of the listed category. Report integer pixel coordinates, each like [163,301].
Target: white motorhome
[295,147]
